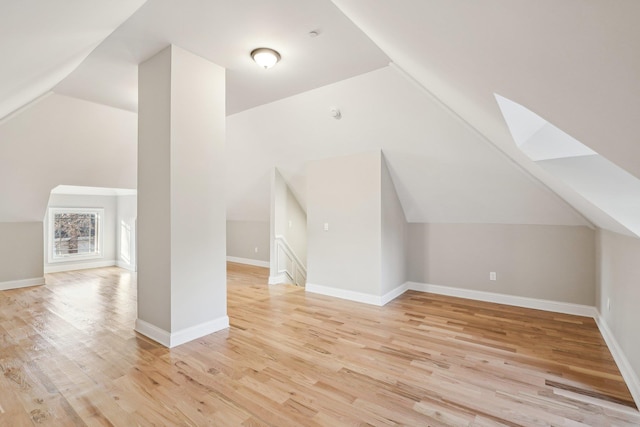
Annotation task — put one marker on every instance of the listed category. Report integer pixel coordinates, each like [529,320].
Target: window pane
[75,233]
[125,241]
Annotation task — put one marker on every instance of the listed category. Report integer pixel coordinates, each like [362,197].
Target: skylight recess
[609,187]
[537,138]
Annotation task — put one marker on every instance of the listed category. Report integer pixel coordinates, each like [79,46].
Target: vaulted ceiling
[433,112]
[225,32]
[43,41]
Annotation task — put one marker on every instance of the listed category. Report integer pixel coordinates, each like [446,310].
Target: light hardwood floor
[69,356]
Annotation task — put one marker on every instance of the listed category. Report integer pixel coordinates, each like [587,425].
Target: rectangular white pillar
[181,210]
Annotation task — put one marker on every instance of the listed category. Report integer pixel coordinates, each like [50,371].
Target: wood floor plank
[69,356]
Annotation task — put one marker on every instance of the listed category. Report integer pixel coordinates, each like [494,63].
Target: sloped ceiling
[443,170]
[433,113]
[225,32]
[574,62]
[41,42]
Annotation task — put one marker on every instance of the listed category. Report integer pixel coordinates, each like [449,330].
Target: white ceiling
[573,62]
[92,191]
[613,190]
[607,186]
[225,32]
[452,158]
[41,42]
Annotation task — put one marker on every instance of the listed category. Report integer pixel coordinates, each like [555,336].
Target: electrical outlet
[290,224]
[608,304]
[326,226]
[492,275]
[255,249]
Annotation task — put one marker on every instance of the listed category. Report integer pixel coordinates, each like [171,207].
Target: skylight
[609,187]
[537,138]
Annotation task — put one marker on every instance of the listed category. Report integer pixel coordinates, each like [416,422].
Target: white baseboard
[539,304]
[248,261]
[197,331]
[125,265]
[526,302]
[629,375]
[344,294]
[23,283]
[157,334]
[394,293]
[183,336]
[78,266]
[277,280]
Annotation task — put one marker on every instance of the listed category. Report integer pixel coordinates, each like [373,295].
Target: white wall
[126,234]
[21,254]
[243,237]
[154,191]
[537,261]
[618,282]
[108,234]
[344,192]
[295,227]
[444,171]
[393,263]
[58,140]
[62,140]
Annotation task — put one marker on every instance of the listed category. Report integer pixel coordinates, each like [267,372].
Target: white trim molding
[394,293]
[151,331]
[247,261]
[288,264]
[526,302]
[183,336]
[125,265]
[277,280]
[23,283]
[79,266]
[357,296]
[344,294]
[629,375]
[198,331]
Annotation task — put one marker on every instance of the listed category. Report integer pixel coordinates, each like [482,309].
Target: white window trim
[75,257]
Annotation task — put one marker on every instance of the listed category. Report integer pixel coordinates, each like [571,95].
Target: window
[74,233]
[125,242]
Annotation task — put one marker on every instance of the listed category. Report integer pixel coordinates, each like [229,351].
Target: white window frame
[53,258]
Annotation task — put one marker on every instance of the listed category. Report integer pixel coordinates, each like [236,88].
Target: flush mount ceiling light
[265,57]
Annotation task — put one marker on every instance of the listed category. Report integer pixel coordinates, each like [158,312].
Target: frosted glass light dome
[265,57]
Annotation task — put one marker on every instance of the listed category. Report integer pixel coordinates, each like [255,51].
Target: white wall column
[356,229]
[181,211]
